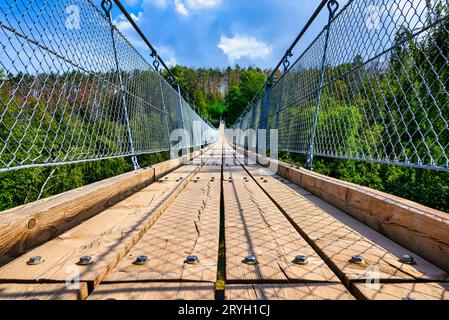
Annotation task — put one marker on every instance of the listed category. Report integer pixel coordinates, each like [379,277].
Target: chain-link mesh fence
[73,89]
[384,92]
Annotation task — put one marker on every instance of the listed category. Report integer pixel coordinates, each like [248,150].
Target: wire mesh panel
[385,90]
[73,89]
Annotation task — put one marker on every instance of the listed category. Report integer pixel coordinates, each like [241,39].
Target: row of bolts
[250,260]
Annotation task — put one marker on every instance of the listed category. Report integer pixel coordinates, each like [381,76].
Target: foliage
[220,93]
[426,187]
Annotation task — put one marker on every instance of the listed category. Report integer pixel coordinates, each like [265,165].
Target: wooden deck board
[404,291]
[254,226]
[50,291]
[340,237]
[154,291]
[296,291]
[106,237]
[190,226]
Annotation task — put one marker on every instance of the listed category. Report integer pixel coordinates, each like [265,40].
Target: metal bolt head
[35,260]
[85,260]
[301,260]
[31,223]
[251,260]
[192,260]
[141,260]
[357,260]
[407,259]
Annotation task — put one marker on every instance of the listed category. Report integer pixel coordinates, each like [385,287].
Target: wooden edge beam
[38,291]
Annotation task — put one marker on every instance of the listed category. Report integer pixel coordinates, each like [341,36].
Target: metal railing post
[167,127]
[182,117]
[266,100]
[332,6]
[286,65]
[107,6]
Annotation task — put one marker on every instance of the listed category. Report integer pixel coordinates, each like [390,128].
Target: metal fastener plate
[407,259]
[301,260]
[85,260]
[141,260]
[251,260]
[35,260]
[357,260]
[192,260]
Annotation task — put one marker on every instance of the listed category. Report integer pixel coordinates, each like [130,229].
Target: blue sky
[218,33]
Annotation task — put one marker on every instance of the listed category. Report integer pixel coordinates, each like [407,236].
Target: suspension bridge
[224,219]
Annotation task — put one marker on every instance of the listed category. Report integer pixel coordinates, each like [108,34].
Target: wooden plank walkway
[338,237]
[154,291]
[265,216]
[293,291]
[106,237]
[190,226]
[255,226]
[49,291]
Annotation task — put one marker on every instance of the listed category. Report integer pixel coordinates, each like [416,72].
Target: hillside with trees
[220,93]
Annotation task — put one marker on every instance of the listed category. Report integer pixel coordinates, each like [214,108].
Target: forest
[220,93]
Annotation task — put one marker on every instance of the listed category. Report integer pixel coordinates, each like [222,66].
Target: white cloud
[201,4]
[168,55]
[181,8]
[128,30]
[133,2]
[123,24]
[243,47]
[162,4]
[185,7]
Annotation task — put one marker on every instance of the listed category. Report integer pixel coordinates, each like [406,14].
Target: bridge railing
[372,86]
[74,89]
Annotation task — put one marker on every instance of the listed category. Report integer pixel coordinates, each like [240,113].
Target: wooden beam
[402,291]
[107,237]
[255,226]
[30,225]
[34,291]
[154,291]
[418,228]
[338,236]
[294,291]
[190,226]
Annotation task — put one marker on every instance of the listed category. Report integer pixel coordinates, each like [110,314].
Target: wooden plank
[30,225]
[255,226]
[50,291]
[403,291]
[293,291]
[154,291]
[106,237]
[339,236]
[416,227]
[190,226]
